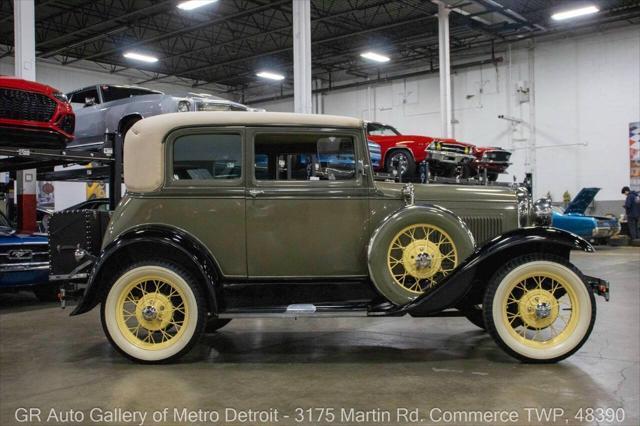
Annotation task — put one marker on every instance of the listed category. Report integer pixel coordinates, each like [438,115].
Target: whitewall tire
[153,312]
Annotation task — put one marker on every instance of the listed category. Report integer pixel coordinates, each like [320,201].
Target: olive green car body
[272,243]
[320,233]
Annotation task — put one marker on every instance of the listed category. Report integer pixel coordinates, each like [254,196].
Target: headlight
[542,212]
[183,106]
[61,97]
[524,206]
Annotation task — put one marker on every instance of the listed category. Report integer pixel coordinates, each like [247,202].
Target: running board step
[298,310]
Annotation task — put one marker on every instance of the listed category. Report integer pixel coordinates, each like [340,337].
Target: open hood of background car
[581,201]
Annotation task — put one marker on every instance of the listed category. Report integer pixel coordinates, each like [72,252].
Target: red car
[492,159]
[34,114]
[445,156]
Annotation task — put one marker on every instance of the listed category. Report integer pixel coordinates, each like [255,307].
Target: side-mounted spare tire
[415,249]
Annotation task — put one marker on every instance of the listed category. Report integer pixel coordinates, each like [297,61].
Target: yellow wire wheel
[542,310]
[421,255]
[415,249]
[151,312]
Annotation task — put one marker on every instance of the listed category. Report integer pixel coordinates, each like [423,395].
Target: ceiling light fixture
[372,56]
[574,13]
[140,57]
[194,4]
[270,75]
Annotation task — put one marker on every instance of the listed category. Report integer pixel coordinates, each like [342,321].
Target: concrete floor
[51,361]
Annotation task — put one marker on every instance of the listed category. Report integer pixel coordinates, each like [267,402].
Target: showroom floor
[49,360]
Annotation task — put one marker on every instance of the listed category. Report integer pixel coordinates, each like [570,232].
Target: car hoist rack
[106,164]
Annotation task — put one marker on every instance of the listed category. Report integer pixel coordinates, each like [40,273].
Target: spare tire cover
[414,249]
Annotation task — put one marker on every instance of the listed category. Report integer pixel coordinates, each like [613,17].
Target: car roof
[145,141]
[120,86]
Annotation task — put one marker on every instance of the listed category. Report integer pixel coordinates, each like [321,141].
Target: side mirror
[89,102]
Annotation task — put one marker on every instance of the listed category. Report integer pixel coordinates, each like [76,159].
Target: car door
[307,203]
[89,128]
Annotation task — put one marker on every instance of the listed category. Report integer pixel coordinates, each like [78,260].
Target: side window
[300,156]
[213,156]
[79,99]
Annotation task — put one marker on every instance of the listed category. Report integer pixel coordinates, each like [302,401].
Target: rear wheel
[539,309]
[153,312]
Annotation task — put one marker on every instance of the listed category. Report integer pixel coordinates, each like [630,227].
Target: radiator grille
[21,105]
[484,228]
[449,147]
[23,254]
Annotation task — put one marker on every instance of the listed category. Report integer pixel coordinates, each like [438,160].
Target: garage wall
[583,92]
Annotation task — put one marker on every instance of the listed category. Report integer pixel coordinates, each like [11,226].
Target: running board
[298,311]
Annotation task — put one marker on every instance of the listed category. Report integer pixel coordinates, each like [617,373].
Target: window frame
[356,182]
[170,182]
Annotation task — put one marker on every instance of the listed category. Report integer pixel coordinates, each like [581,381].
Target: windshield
[113,93]
[378,129]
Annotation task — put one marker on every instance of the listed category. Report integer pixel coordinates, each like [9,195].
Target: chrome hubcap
[543,310]
[149,313]
[423,260]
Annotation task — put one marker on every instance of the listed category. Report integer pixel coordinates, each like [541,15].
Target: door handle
[255,192]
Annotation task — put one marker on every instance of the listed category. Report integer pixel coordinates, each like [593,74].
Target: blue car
[592,228]
[24,262]
[376,154]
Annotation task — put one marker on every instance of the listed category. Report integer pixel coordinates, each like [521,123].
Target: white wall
[585,92]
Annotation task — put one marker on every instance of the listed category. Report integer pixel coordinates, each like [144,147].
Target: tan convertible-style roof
[143,147]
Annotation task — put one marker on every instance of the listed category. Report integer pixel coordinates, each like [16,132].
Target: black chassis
[331,296]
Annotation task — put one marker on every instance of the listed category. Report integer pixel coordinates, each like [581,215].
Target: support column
[25,67]
[302,100]
[445,70]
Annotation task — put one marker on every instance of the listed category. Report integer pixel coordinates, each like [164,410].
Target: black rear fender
[145,243]
[470,279]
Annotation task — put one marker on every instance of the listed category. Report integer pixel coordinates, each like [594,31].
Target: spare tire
[414,249]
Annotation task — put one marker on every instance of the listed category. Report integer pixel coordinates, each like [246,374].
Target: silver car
[106,109]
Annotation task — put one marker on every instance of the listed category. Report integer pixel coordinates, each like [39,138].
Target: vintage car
[446,157]
[24,262]
[592,228]
[34,115]
[206,234]
[106,109]
[490,160]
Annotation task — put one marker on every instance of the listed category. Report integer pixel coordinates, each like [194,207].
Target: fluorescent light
[140,57]
[194,4]
[375,57]
[573,13]
[270,75]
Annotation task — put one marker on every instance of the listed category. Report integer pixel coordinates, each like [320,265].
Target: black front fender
[492,255]
[160,238]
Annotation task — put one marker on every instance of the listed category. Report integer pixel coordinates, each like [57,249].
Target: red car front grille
[21,105]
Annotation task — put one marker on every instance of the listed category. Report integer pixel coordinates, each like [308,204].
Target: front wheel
[403,161]
[154,312]
[539,309]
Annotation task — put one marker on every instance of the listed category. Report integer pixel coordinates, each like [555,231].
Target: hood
[434,193]
[14,239]
[581,201]
[28,85]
